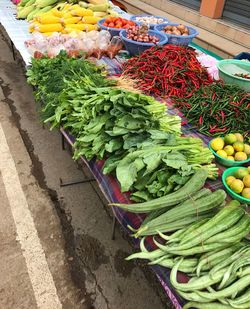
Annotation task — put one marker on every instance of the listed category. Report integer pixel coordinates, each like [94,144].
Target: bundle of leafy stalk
[103,118]
[48,76]
[159,164]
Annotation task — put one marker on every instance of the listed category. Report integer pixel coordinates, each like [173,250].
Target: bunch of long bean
[214,253]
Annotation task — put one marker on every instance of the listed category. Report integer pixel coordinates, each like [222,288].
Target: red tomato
[111,25]
[105,24]
[108,20]
[119,25]
[124,22]
[131,23]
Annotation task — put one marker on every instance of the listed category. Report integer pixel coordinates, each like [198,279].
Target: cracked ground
[71,226]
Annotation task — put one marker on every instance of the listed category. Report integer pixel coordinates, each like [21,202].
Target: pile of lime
[231,147]
[239,182]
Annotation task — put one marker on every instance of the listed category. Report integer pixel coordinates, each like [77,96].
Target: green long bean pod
[212,259]
[198,284]
[150,255]
[241,306]
[191,251]
[142,245]
[206,306]
[229,260]
[232,270]
[238,230]
[238,285]
[192,296]
[241,299]
[221,300]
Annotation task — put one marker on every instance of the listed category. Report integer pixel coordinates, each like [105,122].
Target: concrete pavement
[55,242]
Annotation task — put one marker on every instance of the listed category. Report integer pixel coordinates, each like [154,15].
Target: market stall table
[18,33]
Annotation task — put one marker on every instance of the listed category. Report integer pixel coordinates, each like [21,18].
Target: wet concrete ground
[73,224]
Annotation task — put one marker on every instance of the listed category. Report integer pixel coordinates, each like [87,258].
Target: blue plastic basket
[133,18]
[135,48]
[178,39]
[112,31]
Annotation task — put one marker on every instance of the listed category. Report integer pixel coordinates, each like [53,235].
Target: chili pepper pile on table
[217,108]
[168,70]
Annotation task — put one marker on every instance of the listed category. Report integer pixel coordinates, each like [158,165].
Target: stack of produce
[167,70]
[159,164]
[117,22]
[217,108]
[141,34]
[28,9]
[231,147]
[239,182]
[65,18]
[93,43]
[110,121]
[211,249]
[176,30]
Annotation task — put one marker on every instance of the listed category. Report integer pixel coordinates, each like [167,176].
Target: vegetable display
[176,30]
[239,182]
[167,70]
[90,44]
[217,108]
[148,20]
[211,250]
[232,147]
[162,164]
[140,34]
[132,129]
[28,9]
[118,22]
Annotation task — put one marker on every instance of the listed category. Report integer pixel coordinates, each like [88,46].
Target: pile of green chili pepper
[217,108]
[168,70]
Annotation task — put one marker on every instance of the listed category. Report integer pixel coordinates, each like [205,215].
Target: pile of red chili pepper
[217,109]
[168,70]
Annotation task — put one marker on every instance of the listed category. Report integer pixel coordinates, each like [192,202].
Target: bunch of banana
[27,9]
[65,18]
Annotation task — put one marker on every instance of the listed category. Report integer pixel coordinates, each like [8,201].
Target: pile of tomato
[118,22]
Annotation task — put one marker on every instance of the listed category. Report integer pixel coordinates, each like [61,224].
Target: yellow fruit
[240,173]
[222,153]
[237,186]
[230,158]
[239,137]
[238,146]
[217,143]
[240,156]
[229,150]
[246,181]
[229,139]
[229,180]
[247,149]
[246,193]
[248,169]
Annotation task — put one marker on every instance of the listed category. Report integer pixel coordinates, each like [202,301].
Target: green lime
[229,139]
